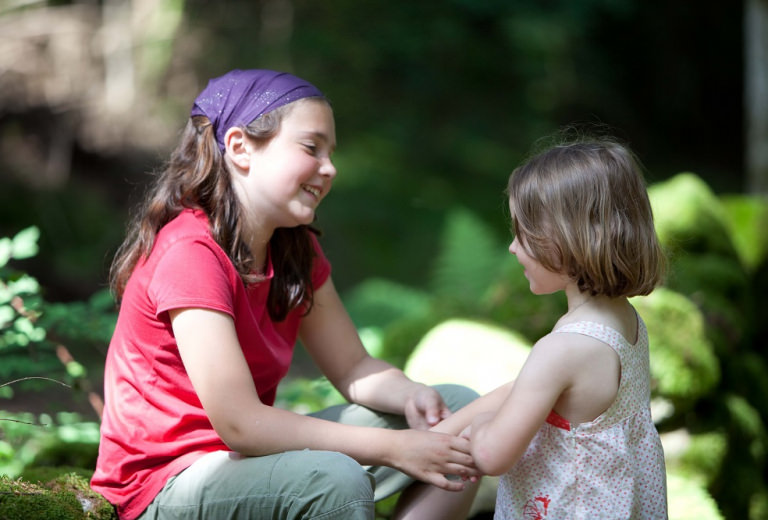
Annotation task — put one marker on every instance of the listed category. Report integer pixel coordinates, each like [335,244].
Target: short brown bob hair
[582,209]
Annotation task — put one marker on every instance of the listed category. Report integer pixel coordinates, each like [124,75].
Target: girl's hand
[425,408]
[430,456]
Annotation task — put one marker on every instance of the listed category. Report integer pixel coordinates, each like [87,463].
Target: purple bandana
[240,96]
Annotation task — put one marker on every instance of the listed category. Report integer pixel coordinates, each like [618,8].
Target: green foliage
[469,261]
[377,302]
[29,441]
[32,333]
[704,458]
[716,250]
[20,306]
[302,395]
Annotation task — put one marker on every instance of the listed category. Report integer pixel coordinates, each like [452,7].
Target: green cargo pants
[304,484]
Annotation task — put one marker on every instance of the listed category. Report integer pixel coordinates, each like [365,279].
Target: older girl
[220,274]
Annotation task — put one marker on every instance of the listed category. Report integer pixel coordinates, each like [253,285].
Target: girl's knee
[342,475]
[456,396]
[334,486]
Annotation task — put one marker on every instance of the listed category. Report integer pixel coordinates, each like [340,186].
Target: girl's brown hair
[582,209]
[196,177]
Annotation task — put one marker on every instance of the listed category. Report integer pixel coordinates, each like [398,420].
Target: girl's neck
[258,242]
[577,299]
[584,306]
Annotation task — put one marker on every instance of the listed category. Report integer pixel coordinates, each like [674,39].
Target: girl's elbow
[233,438]
[237,437]
[492,461]
[491,466]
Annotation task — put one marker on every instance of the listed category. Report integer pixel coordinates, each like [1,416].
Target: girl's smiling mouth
[312,189]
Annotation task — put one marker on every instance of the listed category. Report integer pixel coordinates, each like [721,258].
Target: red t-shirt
[153,425]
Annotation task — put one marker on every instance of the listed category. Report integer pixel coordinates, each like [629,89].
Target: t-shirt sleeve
[191,274]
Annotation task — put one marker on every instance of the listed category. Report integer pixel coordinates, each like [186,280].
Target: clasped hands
[430,456]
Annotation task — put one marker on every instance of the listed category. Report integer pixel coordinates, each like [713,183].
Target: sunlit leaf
[25,243]
[6,246]
[75,369]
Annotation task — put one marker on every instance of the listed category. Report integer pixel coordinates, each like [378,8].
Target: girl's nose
[327,168]
[513,246]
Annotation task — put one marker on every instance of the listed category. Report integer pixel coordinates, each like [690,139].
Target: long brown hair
[196,177]
[582,209]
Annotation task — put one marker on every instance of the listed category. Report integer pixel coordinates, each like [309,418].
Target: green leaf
[25,243]
[6,246]
[24,325]
[75,369]
[7,313]
[25,285]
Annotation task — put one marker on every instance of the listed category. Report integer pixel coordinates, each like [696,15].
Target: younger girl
[572,436]
[220,274]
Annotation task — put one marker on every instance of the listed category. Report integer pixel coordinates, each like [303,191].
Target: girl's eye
[311,148]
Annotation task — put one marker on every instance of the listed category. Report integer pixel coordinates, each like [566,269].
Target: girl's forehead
[311,117]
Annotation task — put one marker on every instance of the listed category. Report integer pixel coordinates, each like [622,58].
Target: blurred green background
[435,104]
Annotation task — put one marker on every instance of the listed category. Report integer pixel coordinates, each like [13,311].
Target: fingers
[442,482]
[428,407]
[433,408]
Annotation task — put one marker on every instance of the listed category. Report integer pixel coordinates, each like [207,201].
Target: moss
[688,500]
[690,217]
[53,494]
[746,218]
[683,363]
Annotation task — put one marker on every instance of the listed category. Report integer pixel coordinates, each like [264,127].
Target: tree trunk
[756,95]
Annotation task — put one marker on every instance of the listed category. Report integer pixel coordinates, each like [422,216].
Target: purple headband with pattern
[240,96]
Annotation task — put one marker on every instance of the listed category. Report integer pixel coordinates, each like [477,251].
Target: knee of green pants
[390,481]
[456,396]
[291,485]
[323,484]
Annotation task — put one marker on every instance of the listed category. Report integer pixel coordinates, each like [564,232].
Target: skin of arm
[224,384]
[502,423]
[332,341]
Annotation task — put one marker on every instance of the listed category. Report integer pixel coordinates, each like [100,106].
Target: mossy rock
[720,287]
[689,216]
[688,500]
[478,355]
[695,456]
[747,219]
[683,364]
[65,496]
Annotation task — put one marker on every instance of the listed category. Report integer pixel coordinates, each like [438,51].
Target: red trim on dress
[556,420]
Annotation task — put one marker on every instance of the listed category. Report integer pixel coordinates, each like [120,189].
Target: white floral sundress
[611,468]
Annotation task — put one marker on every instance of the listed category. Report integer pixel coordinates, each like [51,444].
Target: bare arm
[488,403]
[224,384]
[332,340]
[499,439]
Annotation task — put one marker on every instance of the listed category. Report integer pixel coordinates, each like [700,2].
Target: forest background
[435,104]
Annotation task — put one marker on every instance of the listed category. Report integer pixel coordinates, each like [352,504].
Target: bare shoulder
[618,314]
[568,347]
[562,355]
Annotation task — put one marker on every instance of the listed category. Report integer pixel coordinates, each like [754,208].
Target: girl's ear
[237,147]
